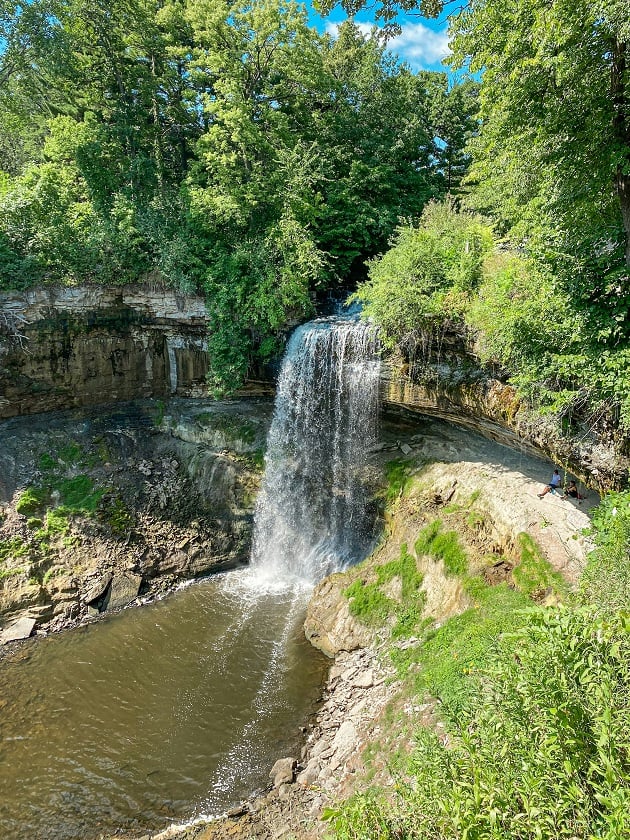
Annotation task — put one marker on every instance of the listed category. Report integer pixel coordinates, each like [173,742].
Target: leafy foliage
[606,580]
[426,275]
[540,752]
[228,149]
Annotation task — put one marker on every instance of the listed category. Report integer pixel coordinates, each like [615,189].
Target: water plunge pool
[156,714]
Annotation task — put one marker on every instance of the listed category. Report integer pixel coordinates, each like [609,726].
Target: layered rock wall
[447,381]
[80,346]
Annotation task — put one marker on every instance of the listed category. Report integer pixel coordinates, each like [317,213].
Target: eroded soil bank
[488,494]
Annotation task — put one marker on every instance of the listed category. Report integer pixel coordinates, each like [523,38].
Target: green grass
[398,480]
[444,546]
[71,453]
[462,645]
[455,507]
[51,573]
[47,462]
[253,460]
[118,517]
[56,521]
[533,574]
[78,494]
[32,501]
[13,572]
[369,604]
[12,548]
[234,428]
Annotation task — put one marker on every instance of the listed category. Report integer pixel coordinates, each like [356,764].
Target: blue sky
[422,44]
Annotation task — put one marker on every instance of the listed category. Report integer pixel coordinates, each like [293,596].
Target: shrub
[542,752]
[426,275]
[606,579]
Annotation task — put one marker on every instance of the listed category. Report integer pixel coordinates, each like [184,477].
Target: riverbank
[368,716]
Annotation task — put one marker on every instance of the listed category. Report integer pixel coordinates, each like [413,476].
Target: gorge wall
[446,380]
[69,347]
[81,346]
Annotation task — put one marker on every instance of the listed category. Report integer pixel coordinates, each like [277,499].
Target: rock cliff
[446,380]
[80,346]
[100,507]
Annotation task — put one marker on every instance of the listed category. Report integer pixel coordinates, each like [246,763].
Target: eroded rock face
[81,346]
[448,382]
[329,626]
[125,502]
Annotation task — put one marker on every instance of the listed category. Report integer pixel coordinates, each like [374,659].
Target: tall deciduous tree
[555,103]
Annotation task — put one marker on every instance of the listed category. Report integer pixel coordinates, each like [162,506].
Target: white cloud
[418,45]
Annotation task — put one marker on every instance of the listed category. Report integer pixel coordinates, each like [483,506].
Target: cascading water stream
[313,514]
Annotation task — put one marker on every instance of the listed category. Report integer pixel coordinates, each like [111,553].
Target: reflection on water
[155,714]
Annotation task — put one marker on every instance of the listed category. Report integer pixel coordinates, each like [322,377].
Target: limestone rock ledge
[79,346]
[448,382]
[173,486]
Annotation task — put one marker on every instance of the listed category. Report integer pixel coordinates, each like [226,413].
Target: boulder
[282,771]
[96,588]
[123,590]
[20,629]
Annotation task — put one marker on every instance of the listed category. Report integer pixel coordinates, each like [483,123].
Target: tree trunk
[623,193]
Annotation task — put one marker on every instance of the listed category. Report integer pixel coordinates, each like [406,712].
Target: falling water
[313,514]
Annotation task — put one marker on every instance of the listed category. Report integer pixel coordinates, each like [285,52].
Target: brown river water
[154,715]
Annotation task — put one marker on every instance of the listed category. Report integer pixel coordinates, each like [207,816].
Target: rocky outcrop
[446,380]
[102,508]
[80,346]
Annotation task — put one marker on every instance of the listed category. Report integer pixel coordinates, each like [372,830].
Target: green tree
[453,123]
[425,280]
[555,146]
[314,148]
[376,147]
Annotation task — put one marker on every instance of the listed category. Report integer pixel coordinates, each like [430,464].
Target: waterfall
[313,514]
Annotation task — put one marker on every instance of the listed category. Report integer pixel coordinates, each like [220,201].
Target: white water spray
[313,515]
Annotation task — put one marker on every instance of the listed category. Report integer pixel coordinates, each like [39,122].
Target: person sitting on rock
[553,485]
[572,490]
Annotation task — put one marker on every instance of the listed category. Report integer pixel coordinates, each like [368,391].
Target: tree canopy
[229,149]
